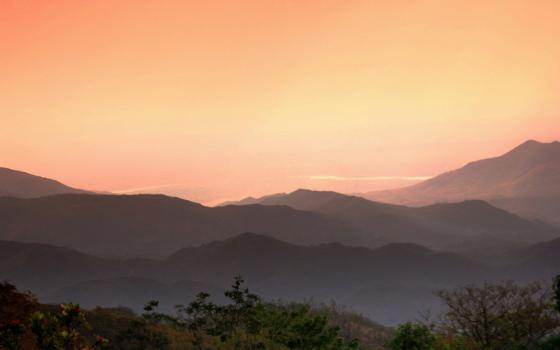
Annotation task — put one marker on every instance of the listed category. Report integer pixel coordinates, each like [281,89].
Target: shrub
[500,316]
[410,336]
[246,322]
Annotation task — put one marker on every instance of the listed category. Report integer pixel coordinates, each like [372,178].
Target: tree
[246,322]
[556,288]
[499,316]
[23,326]
[15,310]
[64,330]
[412,336]
[553,342]
[139,336]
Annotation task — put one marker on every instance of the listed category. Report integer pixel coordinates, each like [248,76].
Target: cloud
[146,188]
[363,178]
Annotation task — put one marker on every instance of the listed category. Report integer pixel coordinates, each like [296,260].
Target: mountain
[390,284]
[539,261]
[45,268]
[15,183]
[261,259]
[272,268]
[58,274]
[156,225]
[132,292]
[472,227]
[333,271]
[525,180]
[253,200]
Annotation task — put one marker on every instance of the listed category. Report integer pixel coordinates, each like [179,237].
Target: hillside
[15,183]
[156,225]
[44,268]
[540,261]
[525,180]
[273,269]
[121,328]
[467,227]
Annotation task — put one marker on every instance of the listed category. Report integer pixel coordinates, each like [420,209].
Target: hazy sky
[219,99]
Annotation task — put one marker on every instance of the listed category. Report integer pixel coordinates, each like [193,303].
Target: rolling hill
[539,261]
[272,268]
[390,284]
[156,225]
[469,227]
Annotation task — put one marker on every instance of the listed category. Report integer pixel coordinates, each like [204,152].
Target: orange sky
[220,99]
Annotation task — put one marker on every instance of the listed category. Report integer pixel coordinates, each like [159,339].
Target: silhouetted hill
[132,292]
[519,180]
[156,225]
[252,200]
[541,260]
[44,268]
[469,226]
[390,284]
[272,268]
[331,271]
[15,183]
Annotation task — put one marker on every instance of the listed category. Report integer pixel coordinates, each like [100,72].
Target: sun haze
[222,99]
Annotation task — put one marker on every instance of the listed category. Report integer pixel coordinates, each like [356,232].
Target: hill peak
[524,180]
[16,183]
[254,240]
[405,248]
[251,236]
[530,147]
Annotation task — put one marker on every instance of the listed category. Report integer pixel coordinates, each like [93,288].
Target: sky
[215,100]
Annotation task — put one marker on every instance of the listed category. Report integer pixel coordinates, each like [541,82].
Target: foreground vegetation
[488,317]
[502,316]
[245,322]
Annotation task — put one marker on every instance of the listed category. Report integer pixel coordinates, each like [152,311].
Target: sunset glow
[216,100]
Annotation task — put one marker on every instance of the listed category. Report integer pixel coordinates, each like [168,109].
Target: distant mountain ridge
[253,200]
[525,180]
[391,284]
[451,226]
[272,268]
[14,183]
[156,225]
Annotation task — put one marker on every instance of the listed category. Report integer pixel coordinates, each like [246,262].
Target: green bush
[410,336]
[246,322]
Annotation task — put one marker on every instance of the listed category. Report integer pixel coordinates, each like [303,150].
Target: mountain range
[525,180]
[467,227]
[389,284]
[383,255]
[156,225]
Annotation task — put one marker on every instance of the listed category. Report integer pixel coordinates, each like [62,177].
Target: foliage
[410,336]
[556,288]
[371,336]
[23,326]
[63,330]
[139,336]
[246,322]
[553,342]
[11,334]
[490,317]
[499,316]
[128,331]
[15,310]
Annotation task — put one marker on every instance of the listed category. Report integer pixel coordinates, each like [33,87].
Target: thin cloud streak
[147,188]
[363,178]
